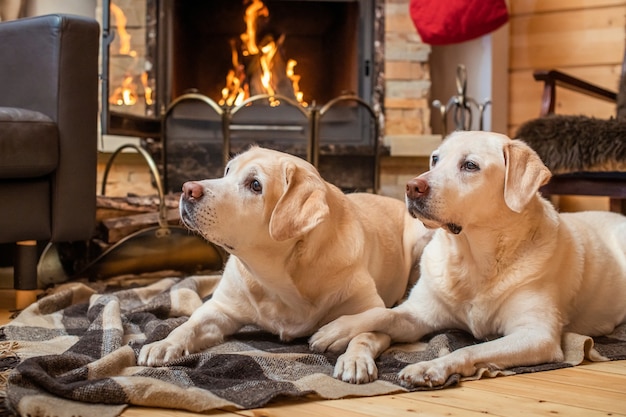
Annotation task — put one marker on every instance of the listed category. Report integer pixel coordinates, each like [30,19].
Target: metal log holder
[460,106]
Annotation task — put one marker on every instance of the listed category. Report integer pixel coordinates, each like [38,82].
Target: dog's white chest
[287,320]
[479,320]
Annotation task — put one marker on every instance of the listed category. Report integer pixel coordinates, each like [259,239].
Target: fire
[263,70]
[265,59]
[124,36]
[236,90]
[127,93]
[256,10]
[295,80]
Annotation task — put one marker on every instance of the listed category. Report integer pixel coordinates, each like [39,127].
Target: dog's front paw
[424,374]
[161,352]
[356,368]
[333,337]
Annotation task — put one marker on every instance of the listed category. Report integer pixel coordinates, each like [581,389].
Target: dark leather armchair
[48,135]
[586,155]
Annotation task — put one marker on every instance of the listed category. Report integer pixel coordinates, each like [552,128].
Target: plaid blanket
[74,353]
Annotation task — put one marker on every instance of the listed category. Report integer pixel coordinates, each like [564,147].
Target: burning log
[267,72]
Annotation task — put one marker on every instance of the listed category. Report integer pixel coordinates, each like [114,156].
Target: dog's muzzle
[417,193]
[186,212]
[417,188]
[192,194]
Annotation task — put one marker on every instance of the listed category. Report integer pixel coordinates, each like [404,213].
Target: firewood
[114,229]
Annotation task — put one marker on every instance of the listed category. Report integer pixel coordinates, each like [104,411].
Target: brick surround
[407,77]
[407,129]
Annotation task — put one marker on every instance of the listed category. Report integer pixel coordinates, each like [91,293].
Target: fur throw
[577,143]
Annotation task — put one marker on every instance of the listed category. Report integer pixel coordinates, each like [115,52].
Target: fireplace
[200,95]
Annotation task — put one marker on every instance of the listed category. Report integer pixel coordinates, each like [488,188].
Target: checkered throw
[74,353]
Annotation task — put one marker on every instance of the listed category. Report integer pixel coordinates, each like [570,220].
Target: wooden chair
[586,155]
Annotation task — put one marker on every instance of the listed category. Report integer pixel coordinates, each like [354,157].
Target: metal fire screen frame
[314,117]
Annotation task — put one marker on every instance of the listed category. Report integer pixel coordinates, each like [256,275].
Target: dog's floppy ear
[301,207]
[525,173]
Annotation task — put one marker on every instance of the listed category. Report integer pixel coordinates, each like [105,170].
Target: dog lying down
[502,262]
[302,253]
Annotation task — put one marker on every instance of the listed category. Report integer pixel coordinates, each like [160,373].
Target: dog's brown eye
[470,166]
[255,186]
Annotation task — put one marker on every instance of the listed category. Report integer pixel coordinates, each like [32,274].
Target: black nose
[192,190]
[416,188]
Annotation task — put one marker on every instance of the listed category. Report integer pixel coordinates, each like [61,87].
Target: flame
[120,22]
[235,90]
[127,93]
[147,90]
[265,59]
[295,81]
[264,55]
[253,12]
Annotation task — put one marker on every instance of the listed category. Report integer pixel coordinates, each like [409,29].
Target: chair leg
[25,273]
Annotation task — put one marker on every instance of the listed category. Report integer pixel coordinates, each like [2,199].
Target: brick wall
[407,101]
[407,77]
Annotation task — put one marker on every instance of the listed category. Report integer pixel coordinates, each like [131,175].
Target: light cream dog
[302,252]
[502,262]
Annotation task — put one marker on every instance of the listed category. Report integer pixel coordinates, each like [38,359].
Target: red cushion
[442,22]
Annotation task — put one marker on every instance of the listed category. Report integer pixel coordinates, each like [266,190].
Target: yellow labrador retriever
[502,262]
[302,253]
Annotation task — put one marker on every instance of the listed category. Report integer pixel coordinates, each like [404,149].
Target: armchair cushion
[29,144]
[569,144]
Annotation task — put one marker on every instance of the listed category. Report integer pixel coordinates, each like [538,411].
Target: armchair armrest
[49,64]
[553,78]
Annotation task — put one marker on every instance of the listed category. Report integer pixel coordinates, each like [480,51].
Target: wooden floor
[587,390]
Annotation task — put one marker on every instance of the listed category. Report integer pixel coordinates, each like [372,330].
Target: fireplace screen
[219,75]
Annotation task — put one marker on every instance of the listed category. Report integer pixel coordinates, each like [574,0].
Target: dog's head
[473,177]
[264,197]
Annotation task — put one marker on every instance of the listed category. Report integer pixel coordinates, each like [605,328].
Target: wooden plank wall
[584,38]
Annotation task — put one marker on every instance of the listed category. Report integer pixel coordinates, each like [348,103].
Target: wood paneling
[584,38]
[519,7]
[569,38]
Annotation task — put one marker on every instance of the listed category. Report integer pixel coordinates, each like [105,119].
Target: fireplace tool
[460,106]
[155,248]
